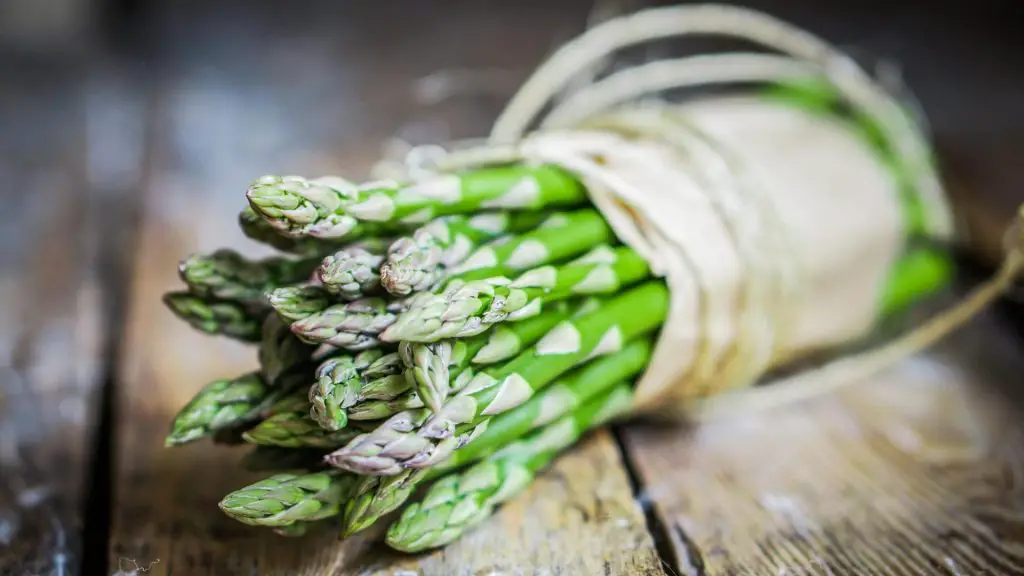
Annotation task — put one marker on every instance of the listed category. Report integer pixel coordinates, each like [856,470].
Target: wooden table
[119,163]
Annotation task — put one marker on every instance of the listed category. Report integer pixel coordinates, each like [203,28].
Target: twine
[595,114]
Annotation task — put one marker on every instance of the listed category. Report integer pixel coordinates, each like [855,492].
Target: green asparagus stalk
[376,496]
[460,501]
[351,274]
[284,499]
[355,325]
[432,366]
[414,439]
[280,351]
[387,388]
[332,208]
[227,275]
[418,262]
[224,409]
[469,308]
[217,317]
[219,405]
[292,427]
[427,369]
[493,391]
[562,236]
[343,381]
[255,227]
[293,303]
[382,393]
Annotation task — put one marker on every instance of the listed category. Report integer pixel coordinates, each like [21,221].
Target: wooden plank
[52,308]
[233,106]
[916,471]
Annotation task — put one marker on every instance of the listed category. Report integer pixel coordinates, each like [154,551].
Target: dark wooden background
[128,130]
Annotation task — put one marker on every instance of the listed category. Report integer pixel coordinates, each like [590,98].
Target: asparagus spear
[376,496]
[218,317]
[220,404]
[469,308]
[284,499]
[337,398]
[354,325]
[386,388]
[562,236]
[255,227]
[258,504]
[416,439]
[460,501]
[427,368]
[418,262]
[281,351]
[293,303]
[603,331]
[332,208]
[290,426]
[431,366]
[351,274]
[343,381]
[227,275]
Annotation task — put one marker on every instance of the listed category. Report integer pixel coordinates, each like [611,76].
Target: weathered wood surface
[51,330]
[316,114]
[916,471]
[913,473]
[732,522]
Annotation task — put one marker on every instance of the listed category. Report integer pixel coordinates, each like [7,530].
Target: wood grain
[917,471]
[309,111]
[877,480]
[51,333]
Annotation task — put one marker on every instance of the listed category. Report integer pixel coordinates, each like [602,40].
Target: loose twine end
[856,368]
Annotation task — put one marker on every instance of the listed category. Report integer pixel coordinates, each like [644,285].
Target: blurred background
[224,81]
[129,128]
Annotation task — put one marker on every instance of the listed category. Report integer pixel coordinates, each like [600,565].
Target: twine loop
[618,116]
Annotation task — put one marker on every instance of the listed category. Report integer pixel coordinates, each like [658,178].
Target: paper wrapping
[774,228]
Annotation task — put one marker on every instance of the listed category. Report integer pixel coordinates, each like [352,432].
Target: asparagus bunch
[460,330]
[459,501]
